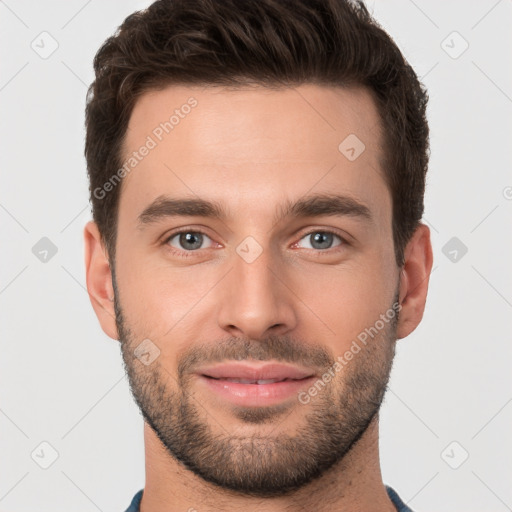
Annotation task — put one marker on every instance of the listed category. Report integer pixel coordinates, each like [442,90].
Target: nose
[255,300]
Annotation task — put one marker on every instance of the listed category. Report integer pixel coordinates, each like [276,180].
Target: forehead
[253,146]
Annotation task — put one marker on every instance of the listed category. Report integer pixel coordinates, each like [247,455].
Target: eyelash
[187,254]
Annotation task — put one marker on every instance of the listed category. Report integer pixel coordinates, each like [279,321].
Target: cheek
[347,298]
[157,299]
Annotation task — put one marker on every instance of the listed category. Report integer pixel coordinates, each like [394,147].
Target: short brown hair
[268,42]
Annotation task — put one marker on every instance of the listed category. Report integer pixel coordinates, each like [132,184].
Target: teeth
[241,381]
[252,381]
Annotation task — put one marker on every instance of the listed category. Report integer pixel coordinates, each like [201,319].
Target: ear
[414,280]
[99,280]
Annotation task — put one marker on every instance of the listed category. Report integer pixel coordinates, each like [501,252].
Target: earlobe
[414,280]
[99,280]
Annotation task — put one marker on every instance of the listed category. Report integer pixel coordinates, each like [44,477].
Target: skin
[251,150]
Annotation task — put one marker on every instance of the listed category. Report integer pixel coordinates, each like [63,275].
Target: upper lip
[239,370]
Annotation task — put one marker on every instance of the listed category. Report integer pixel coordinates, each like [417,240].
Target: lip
[214,380]
[245,370]
[255,395]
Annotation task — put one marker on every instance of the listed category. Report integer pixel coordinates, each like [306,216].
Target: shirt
[393,496]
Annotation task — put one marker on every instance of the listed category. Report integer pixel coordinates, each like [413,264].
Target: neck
[355,483]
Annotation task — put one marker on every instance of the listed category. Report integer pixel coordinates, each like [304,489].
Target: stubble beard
[271,465]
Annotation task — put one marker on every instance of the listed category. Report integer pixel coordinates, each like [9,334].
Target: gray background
[62,380]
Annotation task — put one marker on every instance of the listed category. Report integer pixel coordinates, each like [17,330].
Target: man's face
[255,286]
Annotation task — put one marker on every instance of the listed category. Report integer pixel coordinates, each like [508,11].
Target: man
[257,173]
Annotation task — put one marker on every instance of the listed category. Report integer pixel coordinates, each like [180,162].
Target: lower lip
[255,394]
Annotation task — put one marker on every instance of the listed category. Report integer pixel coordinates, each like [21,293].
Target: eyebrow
[310,206]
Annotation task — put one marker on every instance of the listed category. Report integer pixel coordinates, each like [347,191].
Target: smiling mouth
[251,392]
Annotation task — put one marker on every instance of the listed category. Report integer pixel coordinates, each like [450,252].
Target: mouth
[251,381]
[255,385]
[251,373]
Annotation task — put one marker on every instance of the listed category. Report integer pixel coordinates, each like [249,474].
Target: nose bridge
[254,298]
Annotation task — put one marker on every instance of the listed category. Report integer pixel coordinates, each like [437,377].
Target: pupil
[322,239]
[193,239]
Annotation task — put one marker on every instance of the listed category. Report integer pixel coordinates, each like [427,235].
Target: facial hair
[276,464]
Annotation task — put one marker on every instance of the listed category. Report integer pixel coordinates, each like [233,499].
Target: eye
[321,240]
[187,240]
